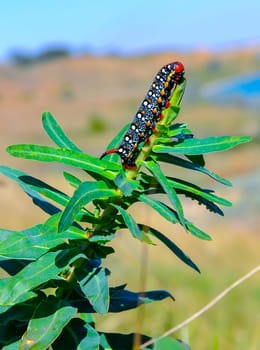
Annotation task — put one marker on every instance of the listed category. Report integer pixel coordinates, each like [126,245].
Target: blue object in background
[244,90]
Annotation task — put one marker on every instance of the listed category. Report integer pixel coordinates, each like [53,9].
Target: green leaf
[127,186]
[27,244]
[61,155]
[115,143]
[95,288]
[56,133]
[175,134]
[33,242]
[85,193]
[195,231]
[211,206]
[91,341]
[117,341]
[174,248]
[161,208]
[197,159]
[171,113]
[130,223]
[201,146]
[30,185]
[78,334]
[47,323]
[104,343]
[189,187]
[155,169]
[189,165]
[122,299]
[13,346]
[167,343]
[19,288]
[72,179]
[150,186]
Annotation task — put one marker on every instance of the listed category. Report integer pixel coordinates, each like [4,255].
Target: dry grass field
[87,94]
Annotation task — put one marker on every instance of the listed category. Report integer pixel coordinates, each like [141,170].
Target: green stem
[169,115]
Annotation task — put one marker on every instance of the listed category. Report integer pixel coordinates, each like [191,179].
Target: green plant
[96,123]
[57,281]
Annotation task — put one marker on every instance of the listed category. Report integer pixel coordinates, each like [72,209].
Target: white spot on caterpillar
[145,103]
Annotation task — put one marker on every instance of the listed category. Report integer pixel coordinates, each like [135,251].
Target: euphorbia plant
[56,278]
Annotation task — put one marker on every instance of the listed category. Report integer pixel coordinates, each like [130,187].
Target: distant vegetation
[22,58]
[96,123]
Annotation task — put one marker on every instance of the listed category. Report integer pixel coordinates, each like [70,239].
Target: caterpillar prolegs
[149,113]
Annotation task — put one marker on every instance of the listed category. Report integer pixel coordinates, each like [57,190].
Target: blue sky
[127,26]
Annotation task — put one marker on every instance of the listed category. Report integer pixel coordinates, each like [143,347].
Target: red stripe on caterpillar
[149,113]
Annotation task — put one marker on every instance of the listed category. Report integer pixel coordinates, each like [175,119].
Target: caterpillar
[148,114]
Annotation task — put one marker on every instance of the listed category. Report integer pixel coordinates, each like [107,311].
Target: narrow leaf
[78,334]
[195,231]
[201,146]
[122,299]
[72,179]
[95,288]
[161,208]
[91,340]
[33,242]
[155,169]
[115,143]
[171,113]
[32,185]
[130,223]
[12,346]
[168,343]
[127,186]
[117,341]
[47,323]
[56,133]
[18,288]
[61,155]
[85,193]
[212,207]
[189,165]
[149,186]
[174,248]
[196,159]
[46,206]
[189,187]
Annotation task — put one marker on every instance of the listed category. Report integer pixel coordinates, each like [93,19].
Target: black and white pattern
[149,113]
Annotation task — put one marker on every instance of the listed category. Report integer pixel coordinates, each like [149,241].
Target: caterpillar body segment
[149,113]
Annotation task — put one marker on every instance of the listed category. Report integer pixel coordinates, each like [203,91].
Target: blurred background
[90,64]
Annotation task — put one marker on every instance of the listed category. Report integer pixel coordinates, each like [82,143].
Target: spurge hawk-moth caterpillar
[149,113]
